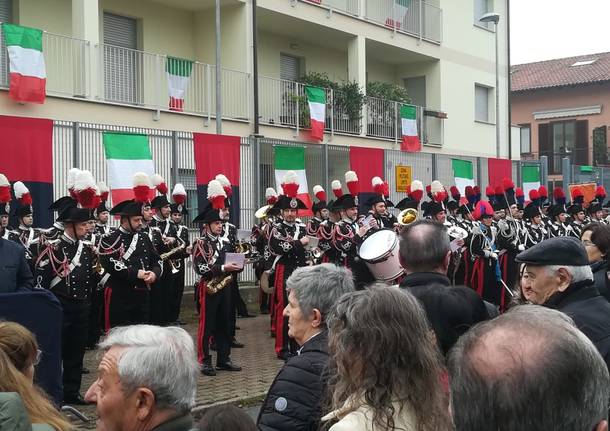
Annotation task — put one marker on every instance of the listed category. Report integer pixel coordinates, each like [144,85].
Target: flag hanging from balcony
[178,76]
[126,154]
[28,74]
[408,122]
[292,159]
[399,13]
[316,98]
[531,178]
[462,174]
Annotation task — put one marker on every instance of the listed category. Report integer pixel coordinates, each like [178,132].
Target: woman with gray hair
[294,400]
[389,370]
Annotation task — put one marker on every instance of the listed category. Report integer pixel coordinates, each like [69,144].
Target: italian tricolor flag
[292,159]
[28,74]
[401,7]
[531,178]
[178,75]
[462,174]
[316,98]
[408,123]
[126,154]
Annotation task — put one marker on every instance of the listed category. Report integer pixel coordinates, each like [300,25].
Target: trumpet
[407,216]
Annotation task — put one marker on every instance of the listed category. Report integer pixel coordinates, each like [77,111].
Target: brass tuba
[218,283]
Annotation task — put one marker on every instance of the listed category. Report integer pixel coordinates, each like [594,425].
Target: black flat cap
[561,250]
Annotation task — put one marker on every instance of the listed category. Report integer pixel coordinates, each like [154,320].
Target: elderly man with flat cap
[556,274]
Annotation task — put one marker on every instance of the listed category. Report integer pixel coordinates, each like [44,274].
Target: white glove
[521,247]
[493,256]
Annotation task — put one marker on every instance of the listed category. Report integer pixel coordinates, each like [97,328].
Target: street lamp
[494,17]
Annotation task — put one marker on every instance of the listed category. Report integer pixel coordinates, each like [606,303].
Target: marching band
[135,273]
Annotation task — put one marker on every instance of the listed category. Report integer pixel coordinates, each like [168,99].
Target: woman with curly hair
[19,355]
[388,368]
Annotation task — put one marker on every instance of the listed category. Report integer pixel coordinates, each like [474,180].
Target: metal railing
[140,78]
[351,7]
[66,61]
[414,17]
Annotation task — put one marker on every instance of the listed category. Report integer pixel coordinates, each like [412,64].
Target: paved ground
[243,388]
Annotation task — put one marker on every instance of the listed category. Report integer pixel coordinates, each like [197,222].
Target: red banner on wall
[498,169]
[367,163]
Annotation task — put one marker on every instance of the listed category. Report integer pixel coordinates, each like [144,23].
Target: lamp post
[494,17]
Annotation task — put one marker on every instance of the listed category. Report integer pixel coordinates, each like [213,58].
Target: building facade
[107,63]
[560,106]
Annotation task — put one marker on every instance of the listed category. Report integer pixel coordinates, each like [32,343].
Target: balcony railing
[66,60]
[283,103]
[348,6]
[140,78]
[414,17]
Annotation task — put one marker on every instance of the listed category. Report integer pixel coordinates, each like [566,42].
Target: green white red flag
[28,74]
[126,154]
[408,126]
[316,98]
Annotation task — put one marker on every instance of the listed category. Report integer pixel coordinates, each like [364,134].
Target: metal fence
[81,145]
[415,17]
[350,7]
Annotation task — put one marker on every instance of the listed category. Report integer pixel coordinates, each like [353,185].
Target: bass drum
[380,253]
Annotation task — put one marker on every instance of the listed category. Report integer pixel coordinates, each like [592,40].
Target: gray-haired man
[557,274]
[294,399]
[147,380]
[529,369]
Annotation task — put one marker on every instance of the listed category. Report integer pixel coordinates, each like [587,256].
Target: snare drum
[380,253]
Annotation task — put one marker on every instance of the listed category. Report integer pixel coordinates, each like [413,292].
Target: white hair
[578,273]
[160,359]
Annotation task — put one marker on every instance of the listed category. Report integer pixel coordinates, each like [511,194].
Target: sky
[569,28]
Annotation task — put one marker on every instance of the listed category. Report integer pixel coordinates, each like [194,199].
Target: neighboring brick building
[561,106]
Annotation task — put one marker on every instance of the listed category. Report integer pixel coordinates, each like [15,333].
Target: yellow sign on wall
[403,178]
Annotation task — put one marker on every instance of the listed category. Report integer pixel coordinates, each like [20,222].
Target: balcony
[283,103]
[417,18]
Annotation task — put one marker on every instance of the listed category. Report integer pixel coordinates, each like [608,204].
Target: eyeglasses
[38,357]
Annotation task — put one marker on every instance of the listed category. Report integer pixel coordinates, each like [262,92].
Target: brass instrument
[218,283]
[249,250]
[407,216]
[170,253]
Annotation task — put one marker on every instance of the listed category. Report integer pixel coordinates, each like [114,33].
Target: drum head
[378,244]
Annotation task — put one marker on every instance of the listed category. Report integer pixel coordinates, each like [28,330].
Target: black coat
[599,278]
[589,310]
[15,273]
[294,400]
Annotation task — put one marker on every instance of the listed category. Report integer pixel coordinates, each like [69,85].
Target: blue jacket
[15,273]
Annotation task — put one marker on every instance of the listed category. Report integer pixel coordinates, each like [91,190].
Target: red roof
[561,72]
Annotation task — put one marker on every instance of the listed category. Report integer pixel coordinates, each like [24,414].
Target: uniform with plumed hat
[313,225]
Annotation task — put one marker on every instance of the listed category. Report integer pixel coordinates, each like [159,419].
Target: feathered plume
[216,194]
[543,194]
[477,193]
[270,195]
[104,191]
[141,187]
[5,190]
[559,197]
[470,195]
[499,192]
[534,196]
[22,193]
[490,192]
[417,190]
[520,196]
[429,192]
[226,184]
[70,181]
[351,179]
[508,184]
[290,184]
[319,192]
[439,194]
[600,193]
[578,196]
[97,199]
[482,208]
[85,189]
[159,183]
[377,184]
[455,193]
[386,189]
[179,194]
[337,190]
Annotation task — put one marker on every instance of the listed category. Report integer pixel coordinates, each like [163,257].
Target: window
[482,95]
[120,59]
[584,62]
[6,15]
[481,7]
[564,137]
[290,67]
[526,138]
[416,88]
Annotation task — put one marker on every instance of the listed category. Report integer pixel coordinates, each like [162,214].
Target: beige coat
[362,419]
